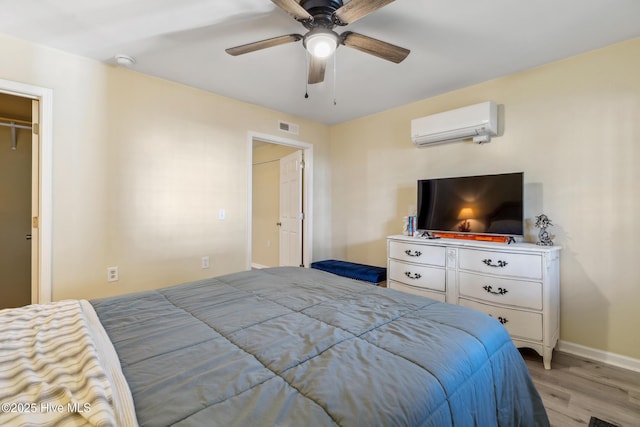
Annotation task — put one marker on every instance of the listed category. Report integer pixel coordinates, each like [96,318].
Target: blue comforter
[298,347]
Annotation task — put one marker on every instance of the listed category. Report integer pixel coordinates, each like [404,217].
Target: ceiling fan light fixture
[321,42]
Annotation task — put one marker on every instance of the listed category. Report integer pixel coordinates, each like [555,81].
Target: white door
[291,214]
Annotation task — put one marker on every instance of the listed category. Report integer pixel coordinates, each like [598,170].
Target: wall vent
[288,127]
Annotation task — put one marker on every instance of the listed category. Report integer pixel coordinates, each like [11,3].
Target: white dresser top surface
[514,247]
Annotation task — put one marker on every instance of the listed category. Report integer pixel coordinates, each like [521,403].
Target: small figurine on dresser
[544,237]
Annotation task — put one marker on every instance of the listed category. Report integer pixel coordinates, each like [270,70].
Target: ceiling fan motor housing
[322,12]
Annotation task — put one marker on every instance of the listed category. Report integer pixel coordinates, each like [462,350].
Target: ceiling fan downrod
[322,13]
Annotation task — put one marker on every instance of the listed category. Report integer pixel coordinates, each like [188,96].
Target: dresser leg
[546,357]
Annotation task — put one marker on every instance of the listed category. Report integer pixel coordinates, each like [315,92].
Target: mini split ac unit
[479,121]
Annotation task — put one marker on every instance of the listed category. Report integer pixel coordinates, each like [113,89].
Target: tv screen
[485,204]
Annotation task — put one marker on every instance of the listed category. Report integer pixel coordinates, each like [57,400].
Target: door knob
[27,236]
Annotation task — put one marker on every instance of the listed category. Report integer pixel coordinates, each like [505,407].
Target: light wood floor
[574,389]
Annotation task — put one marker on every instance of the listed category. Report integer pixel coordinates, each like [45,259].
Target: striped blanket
[50,370]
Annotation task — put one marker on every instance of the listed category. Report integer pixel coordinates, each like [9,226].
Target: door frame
[42,282]
[307,190]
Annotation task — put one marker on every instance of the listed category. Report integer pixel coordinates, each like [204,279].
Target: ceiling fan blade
[317,67]
[263,44]
[292,7]
[356,9]
[375,47]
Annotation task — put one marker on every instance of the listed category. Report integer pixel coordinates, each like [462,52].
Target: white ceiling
[453,43]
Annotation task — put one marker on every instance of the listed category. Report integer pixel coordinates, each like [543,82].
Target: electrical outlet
[221,214]
[205,262]
[112,274]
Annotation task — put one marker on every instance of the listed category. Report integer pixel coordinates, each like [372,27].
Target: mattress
[292,346]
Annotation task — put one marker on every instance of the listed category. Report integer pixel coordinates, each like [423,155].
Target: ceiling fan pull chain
[306,81]
[335,60]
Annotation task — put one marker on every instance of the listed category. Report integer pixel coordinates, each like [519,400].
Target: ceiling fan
[320,17]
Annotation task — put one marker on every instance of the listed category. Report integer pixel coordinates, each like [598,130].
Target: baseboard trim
[258,266]
[599,355]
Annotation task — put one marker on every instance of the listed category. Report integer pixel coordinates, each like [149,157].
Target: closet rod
[266,161]
[7,119]
[13,125]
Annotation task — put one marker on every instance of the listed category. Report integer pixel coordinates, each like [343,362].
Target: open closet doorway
[31,233]
[18,157]
[280,202]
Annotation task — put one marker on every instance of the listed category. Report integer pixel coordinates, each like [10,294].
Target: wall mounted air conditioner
[479,121]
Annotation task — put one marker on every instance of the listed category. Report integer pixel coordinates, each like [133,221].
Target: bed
[283,347]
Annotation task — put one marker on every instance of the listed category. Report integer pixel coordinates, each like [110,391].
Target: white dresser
[518,284]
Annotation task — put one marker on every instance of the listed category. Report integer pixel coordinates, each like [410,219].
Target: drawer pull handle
[412,275]
[499,264]
[413,253]
[501,319]
[500,291]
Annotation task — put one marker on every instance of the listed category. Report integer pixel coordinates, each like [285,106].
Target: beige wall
[141,167]
[265,247]
[573,127]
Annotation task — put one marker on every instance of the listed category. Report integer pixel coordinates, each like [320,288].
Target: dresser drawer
[415,275]
[417,291]
[519,324]
[503,264]
[500,290]
[432,255]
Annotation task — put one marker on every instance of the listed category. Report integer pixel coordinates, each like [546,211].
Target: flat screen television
[484,204]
